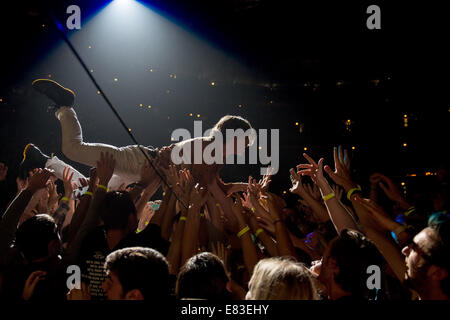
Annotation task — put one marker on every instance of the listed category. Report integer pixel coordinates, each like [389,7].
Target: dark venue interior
[311,69]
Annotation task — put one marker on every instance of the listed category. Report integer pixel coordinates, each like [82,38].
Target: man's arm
[10,219]
[105,169]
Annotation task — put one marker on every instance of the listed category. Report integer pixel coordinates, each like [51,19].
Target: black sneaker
[55,92]
[32,158]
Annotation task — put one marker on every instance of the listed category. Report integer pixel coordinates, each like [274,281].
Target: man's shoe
[32,158]
[55,92]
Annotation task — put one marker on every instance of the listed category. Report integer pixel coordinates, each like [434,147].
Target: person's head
[427,257]
[203,276]
[345,263]
[37,238]
[242,138]
[135,274]
[118,212]
[281,279]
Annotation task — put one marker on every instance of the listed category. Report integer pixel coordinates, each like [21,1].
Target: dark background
[322,66]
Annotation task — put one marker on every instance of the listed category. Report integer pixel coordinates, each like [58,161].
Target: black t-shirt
[95,249]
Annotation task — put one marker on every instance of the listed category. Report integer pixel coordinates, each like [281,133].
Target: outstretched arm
[10,219]
[339,215]
[105,169]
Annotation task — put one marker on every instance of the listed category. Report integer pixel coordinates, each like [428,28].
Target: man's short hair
[34,235]
[116,209]
[440,251]
[144,269]
[203,276]
[354,253]
[233,123]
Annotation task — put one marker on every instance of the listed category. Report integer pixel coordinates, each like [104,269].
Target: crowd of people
[205,239]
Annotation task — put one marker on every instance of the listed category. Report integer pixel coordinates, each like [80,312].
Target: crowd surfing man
[130,159]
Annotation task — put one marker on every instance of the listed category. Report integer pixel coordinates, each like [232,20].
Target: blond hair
[281,279]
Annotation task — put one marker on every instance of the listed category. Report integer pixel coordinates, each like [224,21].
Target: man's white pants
[129,159]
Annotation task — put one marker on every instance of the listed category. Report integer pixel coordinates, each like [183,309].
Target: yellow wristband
[183,218]
[243,231]
[409,211]
[258,232]
[253,209]
[65,199]
[352,191]
[88,193]
[202,215]
[328,196]
[103,187]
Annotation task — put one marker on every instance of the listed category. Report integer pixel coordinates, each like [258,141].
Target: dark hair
[353,253]
[202,277]
[34,235]
[140,268]
[440,252]
[116,209]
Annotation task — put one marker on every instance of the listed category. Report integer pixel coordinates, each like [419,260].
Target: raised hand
[31,282]
[38,180]
[377,213]
[341,173]
[148,175]
[253,189]
[390,189]
[105,168]
[79,294]
[314,170]
[297,185]
[246,203]
[265,181]
[93,179]
[67,181]
[337,191]
[198,196]
[53,195]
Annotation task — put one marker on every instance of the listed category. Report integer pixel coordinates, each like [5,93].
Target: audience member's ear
[332,264]
[437,274]
[228,287]
[54,248]
[134,294]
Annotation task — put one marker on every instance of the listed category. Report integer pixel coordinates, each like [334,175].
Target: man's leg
[34,158]
[129,159]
